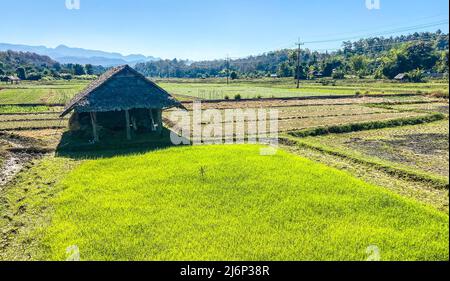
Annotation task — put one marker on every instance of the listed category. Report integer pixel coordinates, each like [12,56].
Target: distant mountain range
[64,54]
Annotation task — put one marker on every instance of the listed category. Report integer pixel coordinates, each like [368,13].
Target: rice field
[220,203]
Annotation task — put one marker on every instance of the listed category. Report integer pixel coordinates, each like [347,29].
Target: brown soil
[18,150]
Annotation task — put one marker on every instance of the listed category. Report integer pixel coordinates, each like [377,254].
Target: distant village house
[315,74]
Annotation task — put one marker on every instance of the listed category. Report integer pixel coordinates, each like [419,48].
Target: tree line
[377,57]
[31,66]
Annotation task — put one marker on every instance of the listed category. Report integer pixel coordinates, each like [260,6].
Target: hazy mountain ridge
[65,54]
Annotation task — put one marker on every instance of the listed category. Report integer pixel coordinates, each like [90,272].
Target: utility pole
[297,72]
[228,69]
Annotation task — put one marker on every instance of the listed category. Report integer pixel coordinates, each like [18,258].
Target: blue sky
[207,29]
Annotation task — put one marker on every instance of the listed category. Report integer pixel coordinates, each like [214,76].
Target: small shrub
[226,97]
[237,97]
[33,76]
[86,77]
[66,76]
[416,76]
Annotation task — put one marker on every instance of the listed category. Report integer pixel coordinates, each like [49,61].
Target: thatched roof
[400,76]
[13,78]
[121,88]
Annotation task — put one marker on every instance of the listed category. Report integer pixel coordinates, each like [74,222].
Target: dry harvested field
[293,119]
[294,114]
[441,107]
[297,114]
[421,147]
[262,103]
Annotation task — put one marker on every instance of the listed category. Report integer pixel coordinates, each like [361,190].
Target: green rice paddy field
[222,203]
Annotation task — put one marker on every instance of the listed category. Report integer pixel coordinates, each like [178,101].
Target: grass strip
[372,125]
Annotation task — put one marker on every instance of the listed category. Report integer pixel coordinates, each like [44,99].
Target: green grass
[230,203]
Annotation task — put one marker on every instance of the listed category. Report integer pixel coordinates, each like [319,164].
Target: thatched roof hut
[121,97]
[13,79]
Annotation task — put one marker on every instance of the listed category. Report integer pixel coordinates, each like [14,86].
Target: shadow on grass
[75,147]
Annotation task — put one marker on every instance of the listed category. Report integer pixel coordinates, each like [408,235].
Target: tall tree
[89,69]
[78,69]
[21,73]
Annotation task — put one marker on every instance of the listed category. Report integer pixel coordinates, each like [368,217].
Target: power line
[381,33]
[228,69]
[381,26]
[425,25]
[298,63]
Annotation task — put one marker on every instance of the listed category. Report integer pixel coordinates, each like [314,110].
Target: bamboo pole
[152,120]
[94,126]
[127,119]
[159,120]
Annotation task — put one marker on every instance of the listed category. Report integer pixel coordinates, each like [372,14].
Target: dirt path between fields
[16,157]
